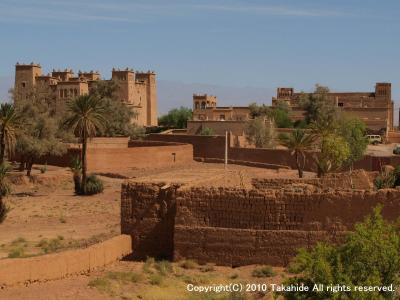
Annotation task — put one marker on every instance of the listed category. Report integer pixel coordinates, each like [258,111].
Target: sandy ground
[381,149]
[172,285]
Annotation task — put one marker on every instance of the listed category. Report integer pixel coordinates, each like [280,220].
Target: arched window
[203,105]
[61,94]
[76,92]
[196,105]
[65,93]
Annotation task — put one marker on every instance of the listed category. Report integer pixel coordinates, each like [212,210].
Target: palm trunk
[3,146]
[299,169]
[29,167]
[84,165]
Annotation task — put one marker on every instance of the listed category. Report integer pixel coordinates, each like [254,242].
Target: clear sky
[347,45]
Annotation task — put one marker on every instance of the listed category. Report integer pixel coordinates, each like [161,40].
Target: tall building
[374,108]
[138,90]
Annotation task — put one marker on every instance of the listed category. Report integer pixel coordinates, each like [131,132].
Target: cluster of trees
[337,140]
[176,118]
[33,130]
[369,256]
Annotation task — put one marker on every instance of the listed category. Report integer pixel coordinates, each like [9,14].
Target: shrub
[93,185]
[265,271]
[207,131]
[164,267]
[155,279]
[148,264]
[16,252]
[385,180]
[369,256]
[188,264]
[43,169]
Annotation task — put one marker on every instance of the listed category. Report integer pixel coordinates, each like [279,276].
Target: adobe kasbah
[137,90]
[375,108]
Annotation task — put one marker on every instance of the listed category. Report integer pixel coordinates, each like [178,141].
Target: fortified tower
[25,79]
[149,79]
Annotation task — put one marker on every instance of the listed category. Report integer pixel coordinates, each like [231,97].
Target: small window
[222,117]
[23,84]
[340,104]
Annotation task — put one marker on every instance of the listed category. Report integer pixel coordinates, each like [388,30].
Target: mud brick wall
[276,210]
[238,247]
[230,226]
[148,215]
[358,179]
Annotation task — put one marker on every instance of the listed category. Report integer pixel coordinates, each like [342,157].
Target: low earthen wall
[63,264]
[213,147]
[119,160]
[231,226]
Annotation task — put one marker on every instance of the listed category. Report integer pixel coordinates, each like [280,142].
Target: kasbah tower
[138,90]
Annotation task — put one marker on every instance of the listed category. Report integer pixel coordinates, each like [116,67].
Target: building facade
[138,90]
[374,108]
[205,109]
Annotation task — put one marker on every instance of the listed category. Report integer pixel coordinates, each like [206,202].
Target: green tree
[4,190]
[353,130]
[278,113]
[40,135]
[121,118]
[87,116]
[370,256]
[38,140]
[9,122]
[260,132]
[298,142]
[317,104]
[207,131]
[334,152]
[176,118]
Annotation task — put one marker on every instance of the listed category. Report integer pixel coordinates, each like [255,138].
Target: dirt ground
[148,281]
[45,216]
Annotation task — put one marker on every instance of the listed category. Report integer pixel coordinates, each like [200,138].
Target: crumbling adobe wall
[357,179]
[231,226]
[148,215]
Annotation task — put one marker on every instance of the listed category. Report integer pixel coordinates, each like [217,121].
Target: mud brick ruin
[263,222]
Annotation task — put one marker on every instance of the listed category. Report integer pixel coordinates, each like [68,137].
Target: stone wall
[63,264]
[232,226]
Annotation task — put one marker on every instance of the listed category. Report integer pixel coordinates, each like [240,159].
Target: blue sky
[347,45]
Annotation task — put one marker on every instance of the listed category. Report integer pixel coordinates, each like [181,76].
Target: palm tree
[9,122]
[86,117]
[298,142]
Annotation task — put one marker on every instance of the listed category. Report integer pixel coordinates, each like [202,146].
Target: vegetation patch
[265,271]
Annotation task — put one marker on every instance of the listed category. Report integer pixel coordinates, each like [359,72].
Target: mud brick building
[138,90]
[205,108]
[374,108]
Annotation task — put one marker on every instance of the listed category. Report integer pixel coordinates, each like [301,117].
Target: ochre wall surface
[59,265]
[203,146]
[212,147]
[231,226]
[117,160]
[113,157]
